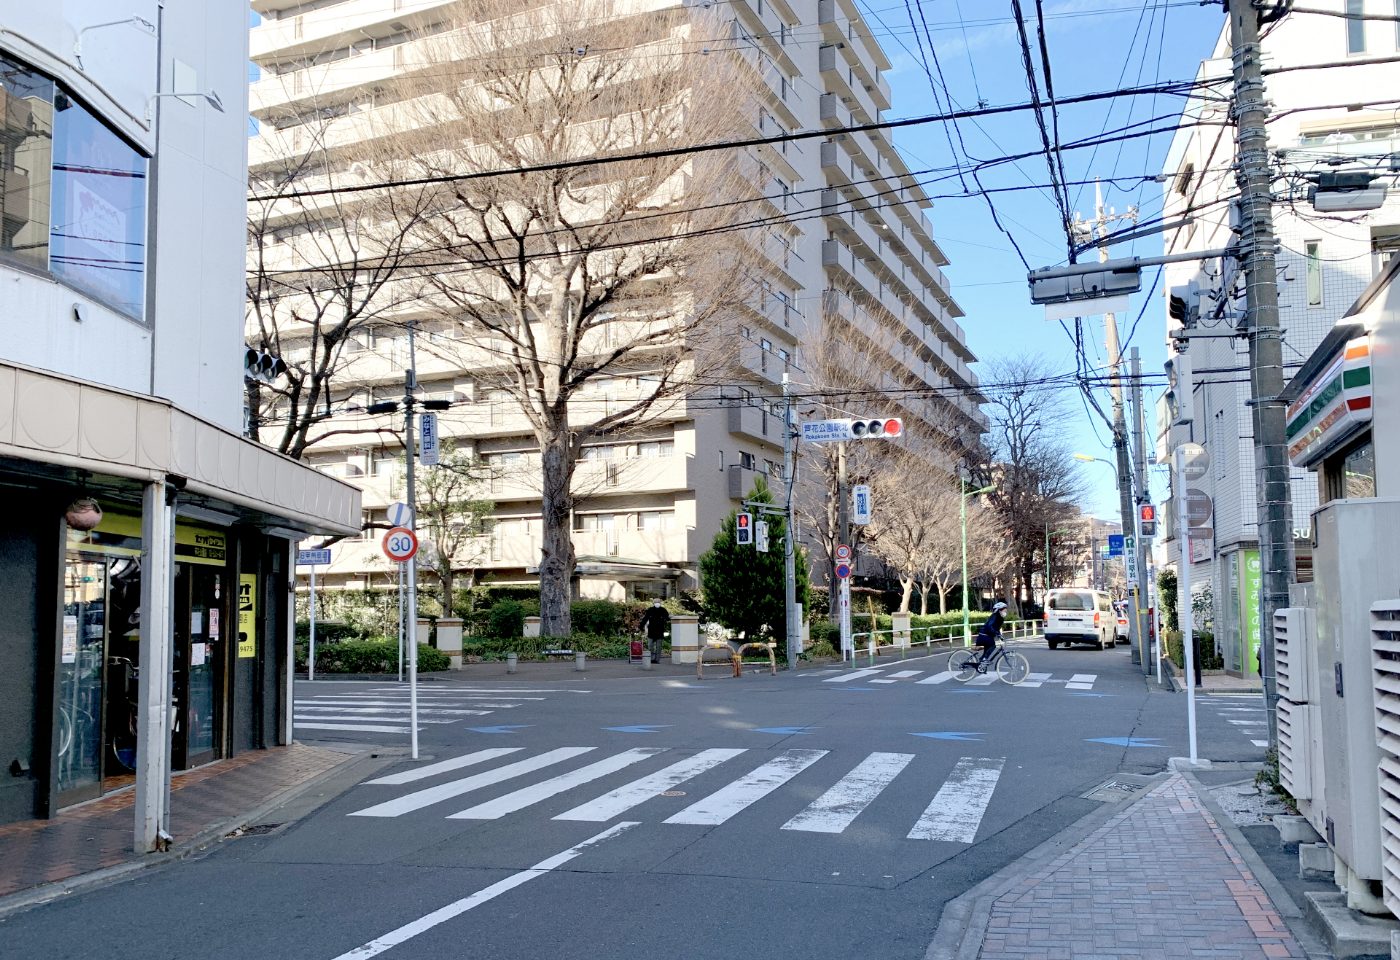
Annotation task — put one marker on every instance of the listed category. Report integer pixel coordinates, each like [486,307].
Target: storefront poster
[70,639]
[247,615]
[213,623]
[1251,587]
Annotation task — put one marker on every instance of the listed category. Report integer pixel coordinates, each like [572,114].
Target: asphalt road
[816,815]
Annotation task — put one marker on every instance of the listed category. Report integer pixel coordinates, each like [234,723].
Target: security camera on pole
[839,432]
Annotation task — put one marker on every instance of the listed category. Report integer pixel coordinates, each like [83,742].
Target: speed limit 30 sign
[400,544]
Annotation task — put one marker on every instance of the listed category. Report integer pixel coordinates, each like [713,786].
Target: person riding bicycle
[988,633]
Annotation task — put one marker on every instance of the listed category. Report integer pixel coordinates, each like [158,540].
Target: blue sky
[1091,44]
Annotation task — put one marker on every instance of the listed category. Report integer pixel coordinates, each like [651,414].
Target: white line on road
[445,766]
[905,674]
[855,675]
[834,810]
[629,795]
[361,727]
[884,681]
[1260,743]
[403,704]
[298,718]
[437,711]
[528,796]
[1035,679]
[446,791]
[1081,681]
[957,808]
[458,907]
[937,678]
[724,803]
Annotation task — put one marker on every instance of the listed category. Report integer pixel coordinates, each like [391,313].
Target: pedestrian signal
[743,529]
[1147,520]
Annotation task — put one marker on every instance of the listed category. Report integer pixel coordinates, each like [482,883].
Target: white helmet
[998,606]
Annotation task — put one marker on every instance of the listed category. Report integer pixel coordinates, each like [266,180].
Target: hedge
[1210,656]
[375,655]
[600,647]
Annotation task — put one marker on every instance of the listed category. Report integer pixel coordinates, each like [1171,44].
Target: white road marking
[724,803]
[956,810]
[445,766]
[458,907]
[446,791]
[629,795]
[360,727]
[298,718]
[1260,743]
[943,677]
[905,674]
[436,711]
[884,681]
[1081,681]
[403,704]
[855,675]
[528,796]
[1035,679]
[834,810]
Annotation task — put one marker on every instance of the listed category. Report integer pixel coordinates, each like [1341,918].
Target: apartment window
[1385,242]
[650,521]
[747,461]
[782,34]
[72,192]
[1397,25]
[1188,173]
[367,532]
[1312,252]
[1356,27]
[649,449]
[765,347]
[605,451]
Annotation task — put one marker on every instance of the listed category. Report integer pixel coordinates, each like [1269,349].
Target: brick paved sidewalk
[97,835]
[1158,880]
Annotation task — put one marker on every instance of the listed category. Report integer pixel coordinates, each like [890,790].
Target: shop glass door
[198,664]
[82,665]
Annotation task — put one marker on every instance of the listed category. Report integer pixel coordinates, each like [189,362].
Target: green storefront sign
[1251,586]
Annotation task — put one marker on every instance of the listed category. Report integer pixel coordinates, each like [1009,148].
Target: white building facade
[146,564]
[1320,121]
[857,248]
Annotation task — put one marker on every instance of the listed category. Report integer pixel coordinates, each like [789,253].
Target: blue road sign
[1115,544]
[639,728]
[949,735]
[1129,742]
[313,558]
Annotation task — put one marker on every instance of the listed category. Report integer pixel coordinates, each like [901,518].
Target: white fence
[877,643]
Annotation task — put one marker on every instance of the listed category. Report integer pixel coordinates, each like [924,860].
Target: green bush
[329,631]
[1210,656]
[532,648]
[506,618]
[373,655]
[820,651]
[606,617]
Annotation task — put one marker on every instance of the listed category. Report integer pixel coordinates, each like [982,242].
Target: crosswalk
[1243,711]
[1076,681]
[385,708]
[953,814]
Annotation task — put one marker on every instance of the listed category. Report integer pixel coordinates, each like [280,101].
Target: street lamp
[962,505]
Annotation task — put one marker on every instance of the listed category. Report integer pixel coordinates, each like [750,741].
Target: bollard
[579,658]
[512,660]
[646,661]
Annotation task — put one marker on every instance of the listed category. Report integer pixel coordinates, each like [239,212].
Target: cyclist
[988,633]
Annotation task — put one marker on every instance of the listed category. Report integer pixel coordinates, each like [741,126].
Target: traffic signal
[1147,519]
[743,529]
[262,367]
[876,429]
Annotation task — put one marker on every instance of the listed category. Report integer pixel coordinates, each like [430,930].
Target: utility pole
[1143,496]
[1257,244]
[843,527]
[410,384]
[1098,227]
[794,623]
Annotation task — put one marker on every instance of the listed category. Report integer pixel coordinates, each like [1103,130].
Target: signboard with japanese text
[247,615]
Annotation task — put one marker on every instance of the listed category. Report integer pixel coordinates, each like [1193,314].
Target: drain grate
[673,793]
[1116,788]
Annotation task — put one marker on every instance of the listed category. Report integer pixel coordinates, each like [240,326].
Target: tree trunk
[923,599]
[908,587]
[557,559]
[447,580]
[943,600]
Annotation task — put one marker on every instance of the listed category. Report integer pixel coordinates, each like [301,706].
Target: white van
[1079,616]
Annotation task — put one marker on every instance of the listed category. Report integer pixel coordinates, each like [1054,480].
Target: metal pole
[400,623]
[311,654]
[843,521]
[411,572]
[962,512]
[794,628]
[1265,339]
[1047,562]
[1143,496]
[153,683]
[1183,600]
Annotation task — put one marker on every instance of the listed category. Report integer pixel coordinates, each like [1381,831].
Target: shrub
[328,631]
[373,655]
[600,616]
[532,648]
[506,618]
[820,651]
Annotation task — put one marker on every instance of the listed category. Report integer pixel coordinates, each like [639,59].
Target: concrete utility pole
[1257,245]
[410,384]
[1143,496]
[1098,227]
[843,527]
[794,621]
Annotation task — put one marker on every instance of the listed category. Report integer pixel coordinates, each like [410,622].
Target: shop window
[1351,474]
[72,192]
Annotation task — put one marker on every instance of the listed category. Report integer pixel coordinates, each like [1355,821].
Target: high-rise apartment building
[849,246]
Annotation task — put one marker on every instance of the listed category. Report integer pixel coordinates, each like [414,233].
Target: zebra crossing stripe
[455,788]
[1035,679]
[943,677]
[834,810]
[401,704]
[359,727]
[445,766]
[297,718]
[528,796]
[437,711]
[905,674]
[1260,743]
[1081,681]
[956,810]
[855,675]
[724,803]
[626,797]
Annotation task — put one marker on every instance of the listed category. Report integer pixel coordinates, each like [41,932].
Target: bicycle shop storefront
[99,661]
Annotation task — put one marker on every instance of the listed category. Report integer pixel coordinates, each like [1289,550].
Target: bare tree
[1036,483]
[573,270]
[326,262]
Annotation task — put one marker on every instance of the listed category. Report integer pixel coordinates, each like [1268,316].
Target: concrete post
[153,692]
[901,622]
[532,626]
[685,638]
[449,640]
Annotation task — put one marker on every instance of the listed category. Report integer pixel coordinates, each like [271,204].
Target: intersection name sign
[826,431]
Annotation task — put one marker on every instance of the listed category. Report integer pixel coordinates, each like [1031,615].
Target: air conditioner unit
[1350,535]
[1385,661]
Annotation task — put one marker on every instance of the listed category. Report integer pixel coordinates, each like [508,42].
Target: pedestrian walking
[656,623]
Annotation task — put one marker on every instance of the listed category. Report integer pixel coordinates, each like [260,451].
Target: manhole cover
[673,793]
[1118,788]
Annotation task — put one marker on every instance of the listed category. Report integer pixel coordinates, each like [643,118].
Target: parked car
[1079,616]
[1120,610]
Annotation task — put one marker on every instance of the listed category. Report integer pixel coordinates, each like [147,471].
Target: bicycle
[1011,667]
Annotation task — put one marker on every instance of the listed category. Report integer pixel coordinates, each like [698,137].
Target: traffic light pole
[843,527]
[794,622]
[410,383]
[1143,496]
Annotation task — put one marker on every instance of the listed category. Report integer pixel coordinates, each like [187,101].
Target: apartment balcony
[749,419]
[669,546]
[832,112]
[354,20]
[632,475]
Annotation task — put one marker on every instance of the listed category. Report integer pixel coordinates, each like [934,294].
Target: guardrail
[904,641]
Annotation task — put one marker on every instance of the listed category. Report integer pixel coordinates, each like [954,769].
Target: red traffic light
[743,519]
[1147,512]
[877,429]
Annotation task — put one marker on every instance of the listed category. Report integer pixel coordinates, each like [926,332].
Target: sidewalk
[1156,878]
[90,842]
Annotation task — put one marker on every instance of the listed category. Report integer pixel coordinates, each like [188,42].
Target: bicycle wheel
[962,664]
[1013,668]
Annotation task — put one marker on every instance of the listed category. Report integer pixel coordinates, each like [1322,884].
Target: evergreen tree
[742,588]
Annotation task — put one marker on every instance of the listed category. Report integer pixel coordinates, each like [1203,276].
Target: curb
[204,839]
[963,923]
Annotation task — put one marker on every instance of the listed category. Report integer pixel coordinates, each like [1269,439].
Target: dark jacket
[993,625]
[656,621]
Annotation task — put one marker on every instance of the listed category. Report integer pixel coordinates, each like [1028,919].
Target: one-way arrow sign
[639,728]
[949,735]
[1128,741]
